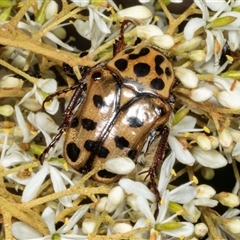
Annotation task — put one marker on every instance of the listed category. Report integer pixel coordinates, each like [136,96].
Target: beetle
[127,99]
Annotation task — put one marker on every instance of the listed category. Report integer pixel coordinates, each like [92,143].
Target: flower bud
[203,142]
[197,55]
[122,227]
[120,165]
[200,229]
[225,138]
[6,110]
[201,94]
[231,74]
[176,208]
[60,33]
[8,82]
[168,226]
[207,173]
[187,77]
[115,197]
[179,115]
[51,10]
[235,134]
[88,225]
[164,41]
[139,12]
[228,199]
[205,191]
[222,21]
[100,206]
[132,202]
[214,142]
[189,45]
[31,104]
[229,100]
[210,158]
[233,225]
[148,31]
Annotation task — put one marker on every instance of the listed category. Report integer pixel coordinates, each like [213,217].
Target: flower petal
[35,183]
[182,155]
[23,231]
[137,188]
[58,186]
[192,26]
[210,158]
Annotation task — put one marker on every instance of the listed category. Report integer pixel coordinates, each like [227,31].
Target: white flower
[95,29]
[42,88]
[58,178]
[42,122]
[186,229]
[227,96]
[185,125]
[22,231]
[214,28]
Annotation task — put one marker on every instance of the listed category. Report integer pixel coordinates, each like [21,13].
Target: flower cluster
[52,200]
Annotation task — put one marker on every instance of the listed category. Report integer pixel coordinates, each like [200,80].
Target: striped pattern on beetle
[127,98]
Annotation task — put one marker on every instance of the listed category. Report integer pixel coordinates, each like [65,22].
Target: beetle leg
[65,90]
[158,159]
[120,44]
[67,116]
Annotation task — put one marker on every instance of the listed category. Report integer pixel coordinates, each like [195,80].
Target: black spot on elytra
[132,154]
[89,145]
[97,76]
[143,52]
[157,83]
[98,101]
[121,142]
[159,59]
[168,71]
[74,122]
[88,124]
[134,122]
[129,50]
[102,152]
[73,151]
[141,69]
[121,64]
[106,174]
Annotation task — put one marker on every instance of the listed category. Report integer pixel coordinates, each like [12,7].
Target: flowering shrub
[204,126]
